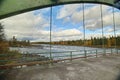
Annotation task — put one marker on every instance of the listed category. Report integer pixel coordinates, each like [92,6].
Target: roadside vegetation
[6,55]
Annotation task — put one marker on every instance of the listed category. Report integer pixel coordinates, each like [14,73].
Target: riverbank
[92,46]
[102,68]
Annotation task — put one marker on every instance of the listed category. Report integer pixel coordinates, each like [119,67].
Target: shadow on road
[118,78]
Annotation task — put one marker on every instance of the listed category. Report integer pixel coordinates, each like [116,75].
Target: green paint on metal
[13,7]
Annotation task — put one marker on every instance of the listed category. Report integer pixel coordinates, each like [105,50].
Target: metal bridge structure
[13,7]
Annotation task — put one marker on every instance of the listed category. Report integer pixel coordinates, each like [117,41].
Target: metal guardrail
[40,58]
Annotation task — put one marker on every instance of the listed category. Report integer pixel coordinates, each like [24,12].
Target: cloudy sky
[67,23]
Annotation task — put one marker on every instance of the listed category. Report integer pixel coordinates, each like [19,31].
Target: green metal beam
[12,7]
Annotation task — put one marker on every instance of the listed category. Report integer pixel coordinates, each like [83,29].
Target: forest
[18,43]
[93,42]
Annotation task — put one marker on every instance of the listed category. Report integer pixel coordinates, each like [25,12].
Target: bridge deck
[102,68]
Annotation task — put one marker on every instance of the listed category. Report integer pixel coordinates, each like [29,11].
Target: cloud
[67,10]
[35,28]
[25,25]
[76,12]
[35,25]
[92,15]
[68,34]
[107,21]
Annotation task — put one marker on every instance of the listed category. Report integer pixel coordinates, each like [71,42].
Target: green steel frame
[13,7]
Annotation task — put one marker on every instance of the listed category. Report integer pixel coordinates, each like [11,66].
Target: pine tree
[4,47]
[2,36]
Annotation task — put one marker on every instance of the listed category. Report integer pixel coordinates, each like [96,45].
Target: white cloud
[92,15]
[35,25]
[107,21]
[76,12]
[68,34]
[30,26]
[110,30]
[25,25]
[67,10]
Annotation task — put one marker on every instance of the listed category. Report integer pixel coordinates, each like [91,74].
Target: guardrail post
[111,51]
[71,55]
[25,57]
[117,51]
[105,52]
[85,53]
[96,53]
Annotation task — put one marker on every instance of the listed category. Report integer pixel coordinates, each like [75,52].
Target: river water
[62,51]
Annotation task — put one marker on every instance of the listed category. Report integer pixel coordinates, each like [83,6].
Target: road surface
[102,68]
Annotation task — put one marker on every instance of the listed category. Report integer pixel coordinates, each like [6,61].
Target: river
[61,50]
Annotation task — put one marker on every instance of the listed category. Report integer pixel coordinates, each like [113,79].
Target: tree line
[17,43]
[93,42]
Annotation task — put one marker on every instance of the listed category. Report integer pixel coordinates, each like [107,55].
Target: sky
[67,23]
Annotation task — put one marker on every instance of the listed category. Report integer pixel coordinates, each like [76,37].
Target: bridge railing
[44,57]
